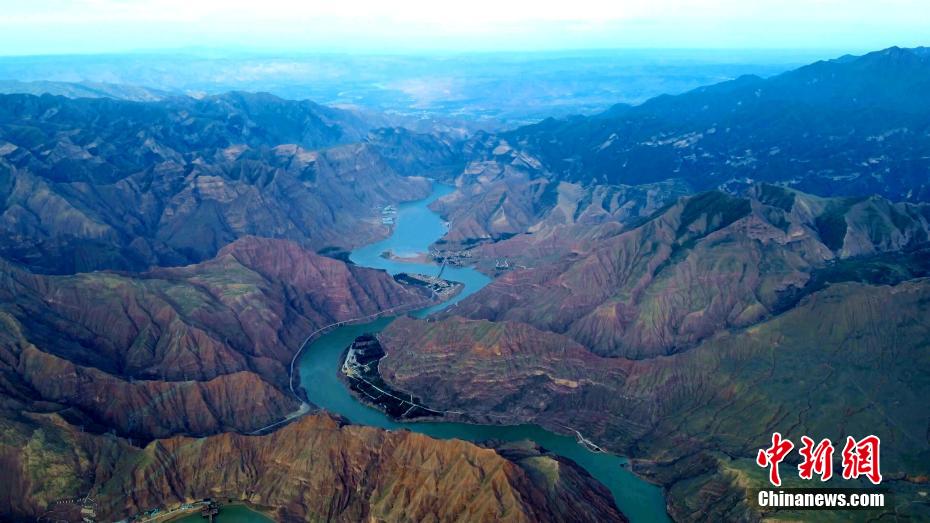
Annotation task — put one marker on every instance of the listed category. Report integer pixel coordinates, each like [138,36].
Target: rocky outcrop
[507,207]
[537,369]
[535,222]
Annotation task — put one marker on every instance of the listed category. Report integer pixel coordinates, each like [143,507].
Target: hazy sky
[86,26]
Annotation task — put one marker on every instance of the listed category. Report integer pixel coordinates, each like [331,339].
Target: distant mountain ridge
[85,90]
[90,184]
[851,126]
[487,89]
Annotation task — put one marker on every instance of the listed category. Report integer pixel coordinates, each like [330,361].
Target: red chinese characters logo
[773,455]
[817,460]
[859,458]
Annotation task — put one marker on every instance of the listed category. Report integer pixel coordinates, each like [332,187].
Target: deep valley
[343,313]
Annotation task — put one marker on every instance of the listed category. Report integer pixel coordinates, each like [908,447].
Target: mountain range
[686,341]
[854,126]
[94,184]
[680,278]
[139,389]
[682,329]
[850,126]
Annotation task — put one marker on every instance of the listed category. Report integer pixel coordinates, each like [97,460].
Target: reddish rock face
[205,349]
[191,350]
[316,469]
[685,341]
[708,263]
[313,469]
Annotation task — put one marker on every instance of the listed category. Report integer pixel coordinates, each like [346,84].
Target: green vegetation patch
[721,210]
[776,197]
[882,269]
[831,224]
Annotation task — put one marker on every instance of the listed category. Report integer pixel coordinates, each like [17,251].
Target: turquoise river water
[415,229]
[229,514]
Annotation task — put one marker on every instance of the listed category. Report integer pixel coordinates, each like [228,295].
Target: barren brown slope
[204,349]
[312,470]
[503,192]
[106,184]
[707,263]
[851,359]
[189,350]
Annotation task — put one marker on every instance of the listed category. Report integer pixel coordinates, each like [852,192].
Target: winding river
[415,229]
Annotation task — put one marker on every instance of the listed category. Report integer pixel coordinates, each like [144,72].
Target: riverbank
[415,229]
[442,290]
[235,512]
[360,372]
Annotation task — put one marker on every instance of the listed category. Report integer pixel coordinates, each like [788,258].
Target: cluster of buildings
[209,509]
[457,258]
[388,214]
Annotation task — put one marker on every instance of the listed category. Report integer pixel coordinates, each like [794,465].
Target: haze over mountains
[680,278]
[477,90]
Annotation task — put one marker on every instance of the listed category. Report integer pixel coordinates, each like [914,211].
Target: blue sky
[94,26]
